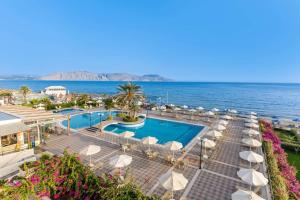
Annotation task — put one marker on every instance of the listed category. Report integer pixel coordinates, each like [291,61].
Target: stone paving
[216,180]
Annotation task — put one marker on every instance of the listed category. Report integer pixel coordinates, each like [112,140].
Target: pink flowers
[287,171]
[35,179]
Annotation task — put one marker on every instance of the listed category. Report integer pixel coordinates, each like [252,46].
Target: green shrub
[130,119]
[45,157]
[121,115]
[110,117]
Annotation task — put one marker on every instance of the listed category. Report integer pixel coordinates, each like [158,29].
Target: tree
[83,99]
[25,91]
[129,98]
[109,104]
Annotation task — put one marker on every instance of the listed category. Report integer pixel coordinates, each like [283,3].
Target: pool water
[86,120]
[68,111]
[163,130]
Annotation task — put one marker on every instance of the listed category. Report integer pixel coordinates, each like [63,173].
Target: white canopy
[208,143]
[171,105]
[253,113]
[245,195]
[210,113]
[149,140]
[219,127]
[222,122]
[252,117]
[193,110]
[214,133]
[251,142]
[251,132]
[200,108]
[177,108]
[226,117]
[251,156]
[173,145]
[119,161]
[90,150]
[215,110]
[185,107]
[173,181]
[251,125]
[251,121]
[233,111]
[252,177]
[127,134]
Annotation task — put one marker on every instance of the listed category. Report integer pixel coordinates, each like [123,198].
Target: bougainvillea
[287,172]
[66,178]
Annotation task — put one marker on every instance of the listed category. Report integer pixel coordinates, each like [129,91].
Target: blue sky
[257,41]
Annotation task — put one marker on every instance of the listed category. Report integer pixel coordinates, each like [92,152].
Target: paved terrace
[217,179]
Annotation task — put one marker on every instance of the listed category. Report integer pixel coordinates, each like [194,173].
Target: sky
[185,40]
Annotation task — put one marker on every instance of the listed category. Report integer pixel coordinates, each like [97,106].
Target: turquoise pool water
[163,130]
[86,120]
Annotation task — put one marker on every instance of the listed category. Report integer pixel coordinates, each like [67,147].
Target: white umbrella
[251,121]
[173,181]
[214,133]
[250,132]
[252,177]
[208,143]
[193,110]
[251,157]
[251,142]
[89,151]
[149,140]
[226,117]
[177,108]
[253,113]
[173,146]
[119,161]
[245,195]
[215,110]
[210,113]
[233,111]
[200,108]
[219,127]
[171,105]
[252,117]
[185,107]
[251,125]
[127,134]
[223,122]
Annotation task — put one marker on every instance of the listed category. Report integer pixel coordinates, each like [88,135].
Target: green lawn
[294,159]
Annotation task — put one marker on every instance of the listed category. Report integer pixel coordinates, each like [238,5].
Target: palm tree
[25,91]
[129,98]
[109,104]
[83,99]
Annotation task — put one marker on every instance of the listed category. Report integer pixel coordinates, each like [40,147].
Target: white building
[55,91]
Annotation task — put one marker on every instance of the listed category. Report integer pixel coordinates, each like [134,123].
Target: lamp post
[200,160]
[90,119]
[100,117]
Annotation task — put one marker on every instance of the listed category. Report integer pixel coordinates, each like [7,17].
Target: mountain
[17,77]
[89,76]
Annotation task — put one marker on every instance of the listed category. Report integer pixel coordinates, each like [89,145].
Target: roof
[5,116]
[55,87]
[11,128]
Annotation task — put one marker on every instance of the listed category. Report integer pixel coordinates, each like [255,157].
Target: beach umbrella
[208,143]
[251,125]
[251,121]
[251,142]
[177,108]
[252,117]
[173,181]
[89,151]
[252,177]
[173,146]
[223,122]
[219,127]
[245,195]
[172,105]
[253,113]
[185,107]
[251,157]
[214,133]
[210,113]
[215,110]
[200,108]
[233,111]
[250,132]
[119,161]
[149,141]
[127,134]
[227,117]
[193,110]
[163,107]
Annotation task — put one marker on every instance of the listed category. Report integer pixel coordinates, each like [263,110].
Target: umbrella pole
[90,160]
[172,194]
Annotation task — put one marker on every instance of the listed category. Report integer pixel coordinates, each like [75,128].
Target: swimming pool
[163,130]
[86,120]
[67,111]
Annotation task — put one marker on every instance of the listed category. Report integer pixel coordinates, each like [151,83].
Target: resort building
[57,91]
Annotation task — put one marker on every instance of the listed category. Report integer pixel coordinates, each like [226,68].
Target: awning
[11,128]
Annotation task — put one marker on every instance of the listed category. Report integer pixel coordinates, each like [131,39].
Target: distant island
[89,76]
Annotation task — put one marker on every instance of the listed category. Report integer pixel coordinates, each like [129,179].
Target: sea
[277,100]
